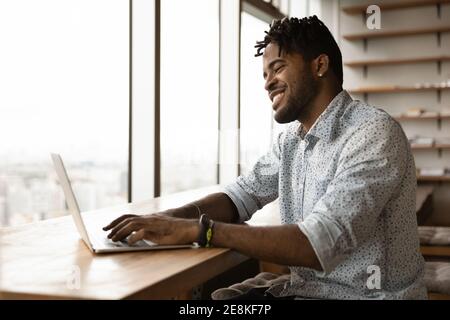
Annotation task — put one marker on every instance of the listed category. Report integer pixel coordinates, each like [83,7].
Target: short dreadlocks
[307,36]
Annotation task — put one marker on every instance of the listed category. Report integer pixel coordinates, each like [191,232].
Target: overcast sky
[64,79]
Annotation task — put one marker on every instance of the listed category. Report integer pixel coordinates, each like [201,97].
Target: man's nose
[270,83]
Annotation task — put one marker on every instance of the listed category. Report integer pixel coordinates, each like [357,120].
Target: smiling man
[342,171]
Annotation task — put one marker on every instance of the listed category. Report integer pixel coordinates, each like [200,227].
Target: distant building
[86,194]
[124,183]
[4,221]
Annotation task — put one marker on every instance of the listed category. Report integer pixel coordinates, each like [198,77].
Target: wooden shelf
[360,9]
[422,178]
[436,251]
[432,147]
[396,89]
[393,6]
[415,118]
[395,33]
[264,6]
[386,62]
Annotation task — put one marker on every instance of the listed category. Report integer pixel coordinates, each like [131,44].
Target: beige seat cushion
[262,280]
[437,277]
[438,236]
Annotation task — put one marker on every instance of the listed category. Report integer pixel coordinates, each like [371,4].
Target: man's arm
[286,244]
[218,206]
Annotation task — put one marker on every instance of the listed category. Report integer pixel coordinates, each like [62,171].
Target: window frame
[144,169]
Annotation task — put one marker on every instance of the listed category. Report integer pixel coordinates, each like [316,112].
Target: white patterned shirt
[350,186]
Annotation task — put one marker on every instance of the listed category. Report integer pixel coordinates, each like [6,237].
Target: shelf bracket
[366,44]
[365,70]
[439,67]
[438,36]
[440,152]
[439,123]
[439,95]
[366,97]
[438,10]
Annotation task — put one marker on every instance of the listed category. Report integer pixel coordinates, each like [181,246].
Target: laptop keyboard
[110,243]
[124,243]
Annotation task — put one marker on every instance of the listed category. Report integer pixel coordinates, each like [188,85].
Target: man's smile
[276,96]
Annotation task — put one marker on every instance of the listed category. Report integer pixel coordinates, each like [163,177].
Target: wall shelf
[395,89]
[365,63]
[393,6]
[422,178]
[370,69]
[395,33]
[432,147]
[419,118]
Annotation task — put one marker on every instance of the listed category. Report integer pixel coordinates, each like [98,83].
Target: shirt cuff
[244,203]
[323,237]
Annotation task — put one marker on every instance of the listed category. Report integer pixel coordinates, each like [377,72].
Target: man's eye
[279,69]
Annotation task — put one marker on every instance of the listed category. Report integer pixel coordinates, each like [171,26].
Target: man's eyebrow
[272,63]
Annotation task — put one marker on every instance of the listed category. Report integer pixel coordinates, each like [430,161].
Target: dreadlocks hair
[307,36]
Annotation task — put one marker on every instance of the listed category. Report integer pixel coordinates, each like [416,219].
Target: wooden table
[44,260]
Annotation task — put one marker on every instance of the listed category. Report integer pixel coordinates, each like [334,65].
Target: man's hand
[159,228]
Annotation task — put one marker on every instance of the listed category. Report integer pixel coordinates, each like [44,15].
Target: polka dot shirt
[349,184]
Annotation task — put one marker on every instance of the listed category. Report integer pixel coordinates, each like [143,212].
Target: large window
[189,93]
[64,83]
[256,115]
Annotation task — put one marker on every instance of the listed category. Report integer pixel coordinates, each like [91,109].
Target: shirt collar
[325,126]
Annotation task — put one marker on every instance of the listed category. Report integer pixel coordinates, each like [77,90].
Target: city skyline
[35,194]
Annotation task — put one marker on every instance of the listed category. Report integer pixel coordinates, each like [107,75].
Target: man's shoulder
[362,117]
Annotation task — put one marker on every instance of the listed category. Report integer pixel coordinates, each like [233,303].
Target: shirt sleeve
[259,187]
[371,167]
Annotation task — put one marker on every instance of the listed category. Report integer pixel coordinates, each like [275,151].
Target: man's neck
[318,106]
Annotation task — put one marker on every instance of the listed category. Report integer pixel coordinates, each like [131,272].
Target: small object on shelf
[430,114]
[418,115]
[414,112]
[434,172]
[443,141]
[387,87]
[421,142]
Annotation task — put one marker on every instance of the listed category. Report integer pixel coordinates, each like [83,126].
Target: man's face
[290,84]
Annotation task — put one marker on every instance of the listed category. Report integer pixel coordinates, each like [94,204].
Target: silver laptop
[96,239]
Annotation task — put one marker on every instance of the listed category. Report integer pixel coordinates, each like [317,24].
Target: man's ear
[321,65]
